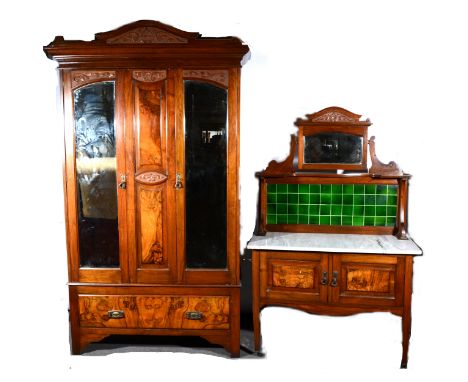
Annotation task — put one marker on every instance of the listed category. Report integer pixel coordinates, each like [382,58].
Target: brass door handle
[324,280]
[178,182]
[123,182]
[334,281]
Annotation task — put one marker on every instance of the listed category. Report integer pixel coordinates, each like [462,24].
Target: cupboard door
[293,277]
[150,176]
[371,280]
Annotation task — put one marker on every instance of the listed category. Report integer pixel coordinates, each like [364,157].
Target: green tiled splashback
[372,205]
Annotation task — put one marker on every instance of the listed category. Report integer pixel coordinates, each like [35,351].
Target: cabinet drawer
[154,311]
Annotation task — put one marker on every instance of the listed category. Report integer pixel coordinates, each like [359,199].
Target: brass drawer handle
[193,315]
[116,314]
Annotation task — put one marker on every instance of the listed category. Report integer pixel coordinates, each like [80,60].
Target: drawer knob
[193,315]
[116,314]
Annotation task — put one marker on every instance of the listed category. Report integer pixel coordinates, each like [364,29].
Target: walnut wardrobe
[151,184]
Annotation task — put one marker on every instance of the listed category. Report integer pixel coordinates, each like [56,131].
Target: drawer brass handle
[324,280]
[334,281]
[193,315]
[116,314]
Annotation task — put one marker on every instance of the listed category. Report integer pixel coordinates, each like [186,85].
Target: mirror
[96,175]
[333,148]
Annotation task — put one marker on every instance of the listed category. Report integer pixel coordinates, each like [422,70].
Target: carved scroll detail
[149,75]
[219,76]
[151,177]
[379,168]
[83,78]
[333,117]
[147,35]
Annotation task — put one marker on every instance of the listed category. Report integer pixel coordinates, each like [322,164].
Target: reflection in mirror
[333,148]
[96,175]
[205,175]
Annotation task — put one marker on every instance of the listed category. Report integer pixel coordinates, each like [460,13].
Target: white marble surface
[338,243]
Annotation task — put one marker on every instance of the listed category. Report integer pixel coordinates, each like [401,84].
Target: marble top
[338,243]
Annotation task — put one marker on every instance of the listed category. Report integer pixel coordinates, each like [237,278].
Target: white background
[403,64]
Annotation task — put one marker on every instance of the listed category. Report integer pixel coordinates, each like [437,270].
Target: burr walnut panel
[150,107]
[151,216]
[154,311]
[369,280]
[292,276]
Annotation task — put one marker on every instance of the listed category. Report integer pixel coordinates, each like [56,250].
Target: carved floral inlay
[149,75]
[220,76]
[151,177]
[83,78]
[156,254]
[333,117]
[147,35]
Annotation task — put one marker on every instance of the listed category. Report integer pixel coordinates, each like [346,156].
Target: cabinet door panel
[293,276]
[150,171]
[368,280]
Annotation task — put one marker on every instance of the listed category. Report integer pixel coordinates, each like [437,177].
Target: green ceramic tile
[347,220]
[271,198]
[314,188]
[314,198]
[282,208]
[293,209]
[337,199]
[281,219]
[314,209]
[358,221]
[358,189]
[271,219]
[381,189]
[369,211]
[337,188]
[358,200]
[281,188]
[336,209]
[271,188]
[380,221]
[369,221]
[381,200]
[325,198]
[391,211]
[314,219]
[324,220]
[281,198]
[293,198]
[348,210]
[325,209]
[304,198]
[335,220]
[304,209]
[303,219]
[369,200]
[335,204]
[380,211]
[358,211]
[348,200]
[392,200]
[348,189]
[292,219]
